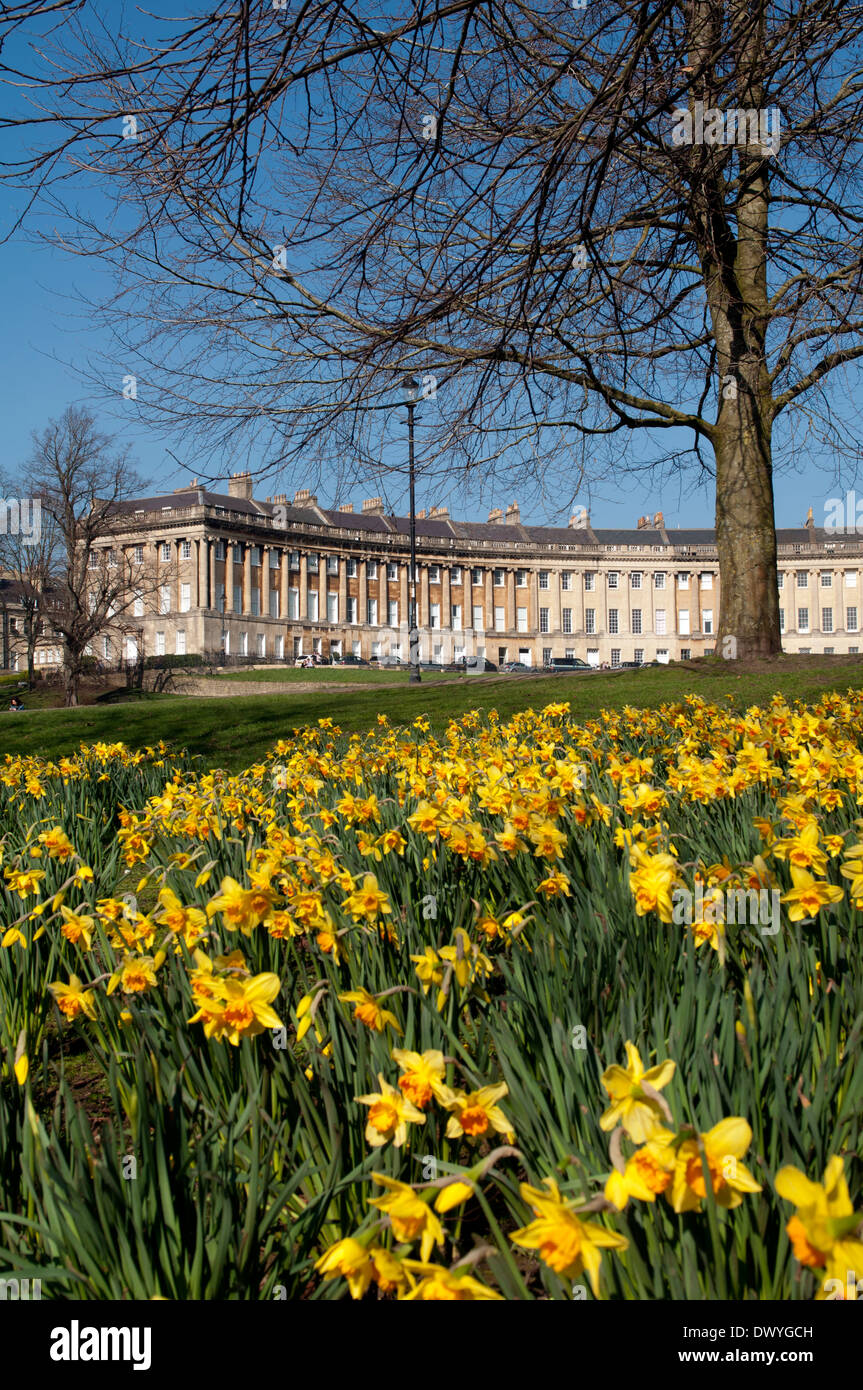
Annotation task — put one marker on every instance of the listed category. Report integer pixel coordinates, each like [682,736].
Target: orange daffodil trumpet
[825,1231]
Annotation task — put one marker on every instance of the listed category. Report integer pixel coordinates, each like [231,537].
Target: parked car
[520,668]
[349,660]
[471,665]
[567,663]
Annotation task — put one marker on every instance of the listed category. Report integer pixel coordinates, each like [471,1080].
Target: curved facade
[272,580]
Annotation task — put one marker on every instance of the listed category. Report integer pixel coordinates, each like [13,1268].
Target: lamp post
[412,386]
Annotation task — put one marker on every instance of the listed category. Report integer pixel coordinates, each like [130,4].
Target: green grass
[231,733]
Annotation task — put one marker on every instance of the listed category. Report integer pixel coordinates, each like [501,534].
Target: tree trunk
[73,678]
[745,530]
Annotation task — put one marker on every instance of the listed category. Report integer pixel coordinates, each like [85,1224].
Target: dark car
[567,663]
[350,660]
[471,664]
[520,668]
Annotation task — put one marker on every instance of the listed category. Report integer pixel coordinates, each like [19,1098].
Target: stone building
[272,580]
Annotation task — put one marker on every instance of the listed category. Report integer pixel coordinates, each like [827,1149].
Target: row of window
[477,576]
[660,619]
[801,578]
[826,619]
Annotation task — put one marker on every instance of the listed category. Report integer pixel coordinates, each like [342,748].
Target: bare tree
[79,479]
[599,231]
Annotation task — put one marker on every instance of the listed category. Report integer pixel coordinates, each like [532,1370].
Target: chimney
[304,498]
[579,521]
[240,485]
[513,514]
[346,507]
[438,511]
[280,499]
[658,521]
[420,516]
[810,520]
[373,506]
[495,515]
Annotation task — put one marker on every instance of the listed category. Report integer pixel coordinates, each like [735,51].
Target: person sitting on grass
[15,705]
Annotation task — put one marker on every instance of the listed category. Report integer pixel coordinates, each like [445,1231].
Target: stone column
[404,594]
[303,606]
[213,603]
[488,598]
[229,577]
[554,620]
[177,549]
[509,612]
[247,580]
[446,602]
[343,592]
[322,588]
[265,580]
[363,596]
[423,595]
[284,584]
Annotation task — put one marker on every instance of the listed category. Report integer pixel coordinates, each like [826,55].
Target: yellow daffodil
[390,1114]
[565,1241]
[475,1114]
[723,1146]
[638,1112]
[410,1216]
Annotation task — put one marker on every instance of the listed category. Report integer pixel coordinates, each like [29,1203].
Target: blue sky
[47,339]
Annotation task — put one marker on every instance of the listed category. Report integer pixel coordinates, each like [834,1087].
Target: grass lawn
[233,734]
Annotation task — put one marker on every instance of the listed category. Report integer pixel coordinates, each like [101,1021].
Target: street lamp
[411,387]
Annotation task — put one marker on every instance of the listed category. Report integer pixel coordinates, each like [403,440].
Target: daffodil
[639,1112]
[809,895]
[439,1285]
[564,1240]
[369,1011]
[73,999]
[422,1073]
[409,1215]
[475,1114]
[721,1147]
[390,1114]
[348,1259]
[825,1231]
